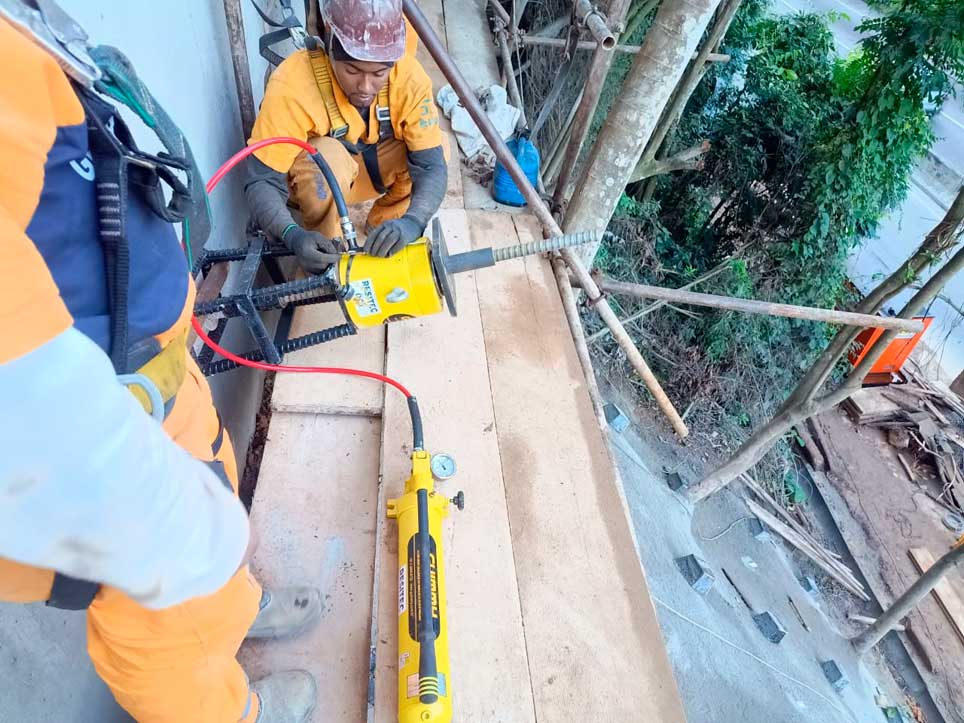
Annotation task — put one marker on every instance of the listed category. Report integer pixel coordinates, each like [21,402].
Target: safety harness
[153,374]
[289,28]
[367,149]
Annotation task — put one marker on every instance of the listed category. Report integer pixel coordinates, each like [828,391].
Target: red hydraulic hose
[211,184]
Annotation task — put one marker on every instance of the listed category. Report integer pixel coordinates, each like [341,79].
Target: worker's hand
[392,236]
[315,252]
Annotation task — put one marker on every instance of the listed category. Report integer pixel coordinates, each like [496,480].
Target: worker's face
[361,80]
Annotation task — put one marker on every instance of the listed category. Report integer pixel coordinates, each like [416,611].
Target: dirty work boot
[286,611]
[286,697]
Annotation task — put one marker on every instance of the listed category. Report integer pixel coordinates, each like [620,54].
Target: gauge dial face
[443,466]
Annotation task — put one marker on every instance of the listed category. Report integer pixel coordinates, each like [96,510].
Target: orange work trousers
[177,664]
[309,191]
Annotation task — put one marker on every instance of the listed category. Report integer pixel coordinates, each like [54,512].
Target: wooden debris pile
[925,424]
[784,525]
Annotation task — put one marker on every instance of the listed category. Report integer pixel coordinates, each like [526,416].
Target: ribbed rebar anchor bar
[301,342]
[273,297]
[482,258]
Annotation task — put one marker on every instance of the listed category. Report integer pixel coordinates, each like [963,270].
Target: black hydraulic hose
[347,228]
[418,440]
[332,183]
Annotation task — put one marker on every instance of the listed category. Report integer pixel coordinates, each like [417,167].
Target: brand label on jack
[364,298]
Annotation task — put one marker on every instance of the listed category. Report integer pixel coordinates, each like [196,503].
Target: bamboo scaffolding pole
[810,549]
[909,599]
[752,306]
[465,93]
[578,334]
[512,83]
[595,79]
[719,269]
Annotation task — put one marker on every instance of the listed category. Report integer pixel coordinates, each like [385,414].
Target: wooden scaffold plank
[589,620]
[314,512]
[442,360]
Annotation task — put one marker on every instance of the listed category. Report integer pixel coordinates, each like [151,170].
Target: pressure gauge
[443,467]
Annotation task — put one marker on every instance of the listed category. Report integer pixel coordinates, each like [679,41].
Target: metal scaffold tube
[596,23]
[467,95]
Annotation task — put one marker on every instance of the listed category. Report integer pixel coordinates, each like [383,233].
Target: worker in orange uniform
[366,105]
[118,485]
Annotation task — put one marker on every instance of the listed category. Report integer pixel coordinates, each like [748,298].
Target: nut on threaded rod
[482,258]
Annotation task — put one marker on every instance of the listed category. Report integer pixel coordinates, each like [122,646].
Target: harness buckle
[299,36]
[339,132]
[150,389]
[382,113]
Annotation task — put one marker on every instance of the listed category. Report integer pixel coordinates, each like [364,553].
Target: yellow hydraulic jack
[424,690]
[415,281]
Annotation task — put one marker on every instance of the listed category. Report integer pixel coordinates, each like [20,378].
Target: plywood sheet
[593,640]
[326,393]
[314,510]
[947,596]
[442,360]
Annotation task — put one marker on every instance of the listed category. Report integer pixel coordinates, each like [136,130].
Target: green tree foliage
[900,76]
[808,152]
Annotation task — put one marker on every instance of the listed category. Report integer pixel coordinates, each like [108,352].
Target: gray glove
[392,236]
[315,252]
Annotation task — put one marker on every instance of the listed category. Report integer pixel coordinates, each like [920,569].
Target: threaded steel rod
[545,246]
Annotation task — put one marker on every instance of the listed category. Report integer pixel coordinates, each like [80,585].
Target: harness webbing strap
[383,114]
[188,200]
[369,155]
[110,167]
[322,71]
[321,67]
[71,593]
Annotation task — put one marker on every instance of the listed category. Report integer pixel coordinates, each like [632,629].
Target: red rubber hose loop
[202,335]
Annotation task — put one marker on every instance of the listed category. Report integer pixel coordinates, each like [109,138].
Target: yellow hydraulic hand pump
[424,684]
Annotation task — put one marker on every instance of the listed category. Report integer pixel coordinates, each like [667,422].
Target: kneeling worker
[367,107]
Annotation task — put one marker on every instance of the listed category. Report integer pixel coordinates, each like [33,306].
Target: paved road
[900,234]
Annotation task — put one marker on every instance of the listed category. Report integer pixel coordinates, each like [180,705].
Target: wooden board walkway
[550,615]
[549,612]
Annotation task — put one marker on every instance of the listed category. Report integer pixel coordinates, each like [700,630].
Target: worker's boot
[286,697]
[286,611]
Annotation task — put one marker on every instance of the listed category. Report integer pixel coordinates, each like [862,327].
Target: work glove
[314,251]
[392,236]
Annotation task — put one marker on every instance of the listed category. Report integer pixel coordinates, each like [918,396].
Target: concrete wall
[180,50]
